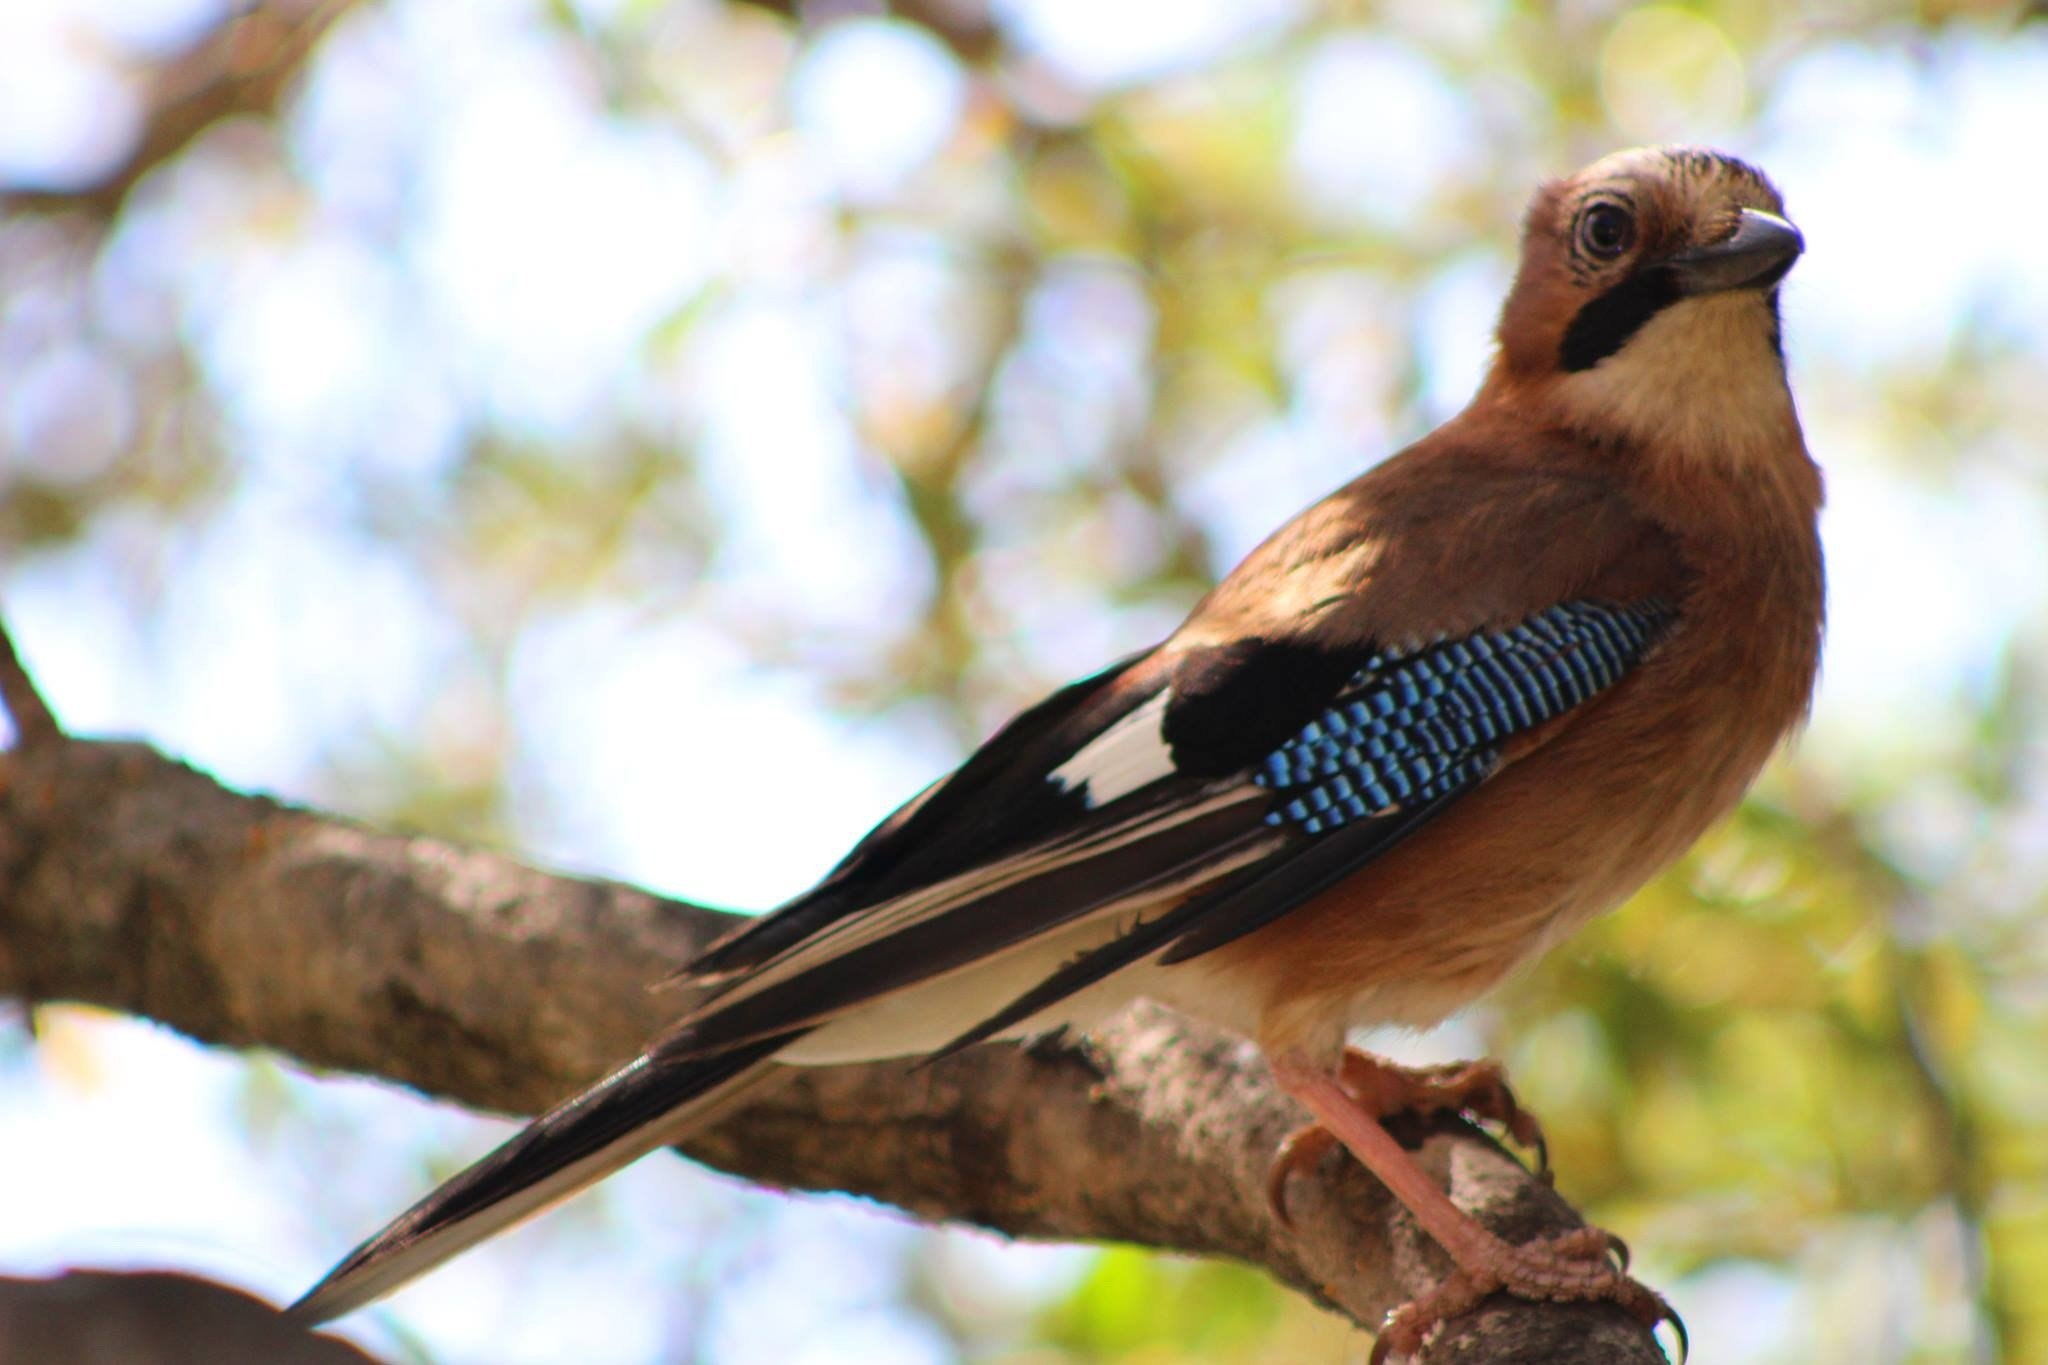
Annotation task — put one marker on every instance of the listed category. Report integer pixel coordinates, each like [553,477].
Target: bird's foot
[1576,1267]
[1347,1106]
[1479,1090]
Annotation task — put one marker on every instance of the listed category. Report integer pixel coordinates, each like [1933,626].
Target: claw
[1571,1267]
[1678,1329]
[1477,1089]
[1578,1266]
[1299,1151]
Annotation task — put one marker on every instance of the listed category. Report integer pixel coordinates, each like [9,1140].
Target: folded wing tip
[367,1274]
[642,1106]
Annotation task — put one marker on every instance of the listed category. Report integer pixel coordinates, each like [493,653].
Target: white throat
[1702,377]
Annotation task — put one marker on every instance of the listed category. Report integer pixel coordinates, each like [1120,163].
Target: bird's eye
[1606,230]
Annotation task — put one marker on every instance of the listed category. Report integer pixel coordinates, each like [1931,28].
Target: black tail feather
[646,1104]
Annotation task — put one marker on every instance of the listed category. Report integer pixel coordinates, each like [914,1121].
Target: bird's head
[1646,305]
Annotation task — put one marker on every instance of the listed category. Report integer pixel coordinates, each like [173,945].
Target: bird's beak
[1754,256]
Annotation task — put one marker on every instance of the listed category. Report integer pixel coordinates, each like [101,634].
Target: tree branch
[133,882]
[243,66]
[35,724]
[965,26]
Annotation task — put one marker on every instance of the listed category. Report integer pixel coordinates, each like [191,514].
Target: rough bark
[131,881]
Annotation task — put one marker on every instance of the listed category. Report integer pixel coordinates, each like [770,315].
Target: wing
[1229,783]
[1212,790]
[994,804]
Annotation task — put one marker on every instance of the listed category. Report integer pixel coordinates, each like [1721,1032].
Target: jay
[1469,700]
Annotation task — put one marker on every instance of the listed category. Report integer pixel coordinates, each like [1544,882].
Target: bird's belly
[1504,876]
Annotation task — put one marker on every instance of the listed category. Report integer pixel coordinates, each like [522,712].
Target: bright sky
[546,240]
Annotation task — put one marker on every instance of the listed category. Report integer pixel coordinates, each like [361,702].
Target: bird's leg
[1478,1089]
[1572,1267]
[1383,1088]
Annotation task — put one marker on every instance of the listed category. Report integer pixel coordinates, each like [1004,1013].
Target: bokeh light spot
[1668,74]
[877,99]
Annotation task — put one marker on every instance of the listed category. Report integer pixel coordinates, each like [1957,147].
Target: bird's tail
[646,1104]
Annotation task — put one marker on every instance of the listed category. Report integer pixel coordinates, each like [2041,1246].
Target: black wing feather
[571,1145]
[1240,903]
[1409,735]
[995,803]
[1359,764]
[976,929]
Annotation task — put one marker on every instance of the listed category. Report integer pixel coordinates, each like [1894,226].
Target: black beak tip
[1778,233]
[1756,255]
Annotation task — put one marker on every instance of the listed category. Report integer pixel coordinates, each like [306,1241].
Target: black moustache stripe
[1604,325]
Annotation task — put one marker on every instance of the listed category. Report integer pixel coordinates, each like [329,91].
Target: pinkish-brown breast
[1593,805]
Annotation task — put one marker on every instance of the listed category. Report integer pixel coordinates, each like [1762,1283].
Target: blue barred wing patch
[1411,727]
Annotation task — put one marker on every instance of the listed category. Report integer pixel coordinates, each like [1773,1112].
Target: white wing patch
[1128,755]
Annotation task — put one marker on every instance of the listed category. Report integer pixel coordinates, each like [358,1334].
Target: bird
[1466,702]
